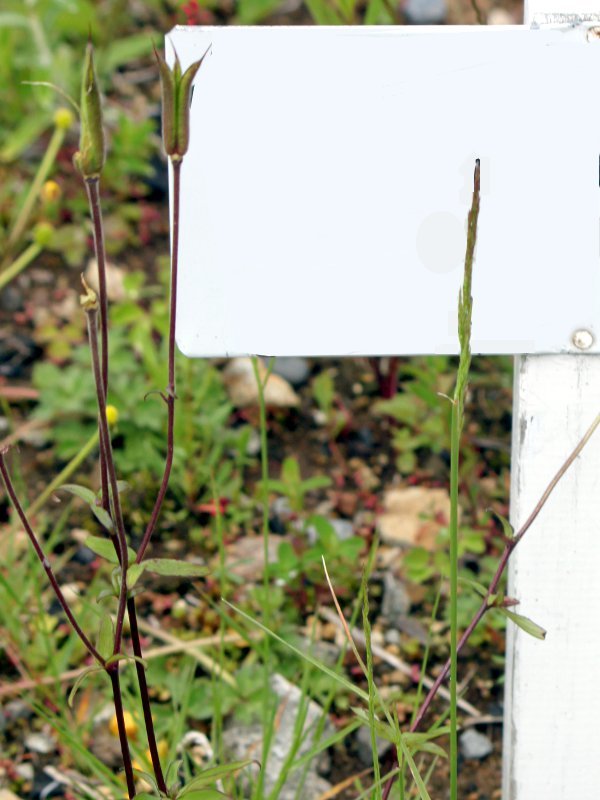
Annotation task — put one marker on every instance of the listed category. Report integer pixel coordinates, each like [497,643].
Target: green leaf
[133,574]
[145,796]
[173,568]
[82,492]
[527,625]
[205,794]
[102,516]
[102,547]
[507,528]
[478,587]
[290,471]
[209,776]
[423,793]
[79,681]
[106,637]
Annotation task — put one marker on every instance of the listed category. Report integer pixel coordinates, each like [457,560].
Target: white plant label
[330,172]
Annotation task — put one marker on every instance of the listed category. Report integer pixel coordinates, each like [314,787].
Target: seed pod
[176,94]
[92,152]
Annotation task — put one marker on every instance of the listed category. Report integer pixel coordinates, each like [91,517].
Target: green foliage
[293,486]
[205,446]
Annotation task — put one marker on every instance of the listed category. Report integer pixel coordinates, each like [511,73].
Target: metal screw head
[593,34]
[582,339]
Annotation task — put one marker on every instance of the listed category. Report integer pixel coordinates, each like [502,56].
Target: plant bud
[63,118]
[91,154]
[176,95]
[89,300]
[42,234]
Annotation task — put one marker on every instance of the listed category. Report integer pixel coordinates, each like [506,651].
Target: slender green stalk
[19,264]
[64,474]
[54,145]
[266,609]
[465,313]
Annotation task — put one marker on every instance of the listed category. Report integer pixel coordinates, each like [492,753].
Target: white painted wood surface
[330,173]
[551,700]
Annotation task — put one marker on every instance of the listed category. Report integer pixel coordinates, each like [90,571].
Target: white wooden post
[551,701]
[325,197]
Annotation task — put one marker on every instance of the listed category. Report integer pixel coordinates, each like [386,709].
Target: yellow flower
[50,191]
[131,726]
[63,118]
[112,415]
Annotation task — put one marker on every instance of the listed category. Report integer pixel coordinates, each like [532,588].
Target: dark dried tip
[477,176]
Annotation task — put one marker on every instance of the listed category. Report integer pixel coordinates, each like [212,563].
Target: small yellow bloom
[131,726]
[64,118]
[50,191]
[112,415]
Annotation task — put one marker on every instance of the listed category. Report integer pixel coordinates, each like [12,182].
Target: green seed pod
[176,95]
[92,151]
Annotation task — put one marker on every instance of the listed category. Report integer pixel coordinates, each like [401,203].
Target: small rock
[395,602]
[292,369]
[500,16]
[84,556]
[364,751]
[392,636]
[414,515]
[115,287]
[425,12]
[474,744]
[6,794]
[11,299]
[240,382]
[245,741]
[343,528]
[25,771]
[245,557]
[40,743]
[17,709]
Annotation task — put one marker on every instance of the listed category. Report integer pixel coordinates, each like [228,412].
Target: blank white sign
[329,177]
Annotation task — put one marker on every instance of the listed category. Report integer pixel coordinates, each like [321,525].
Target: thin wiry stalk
[170,395]
[117,515]
[92,186]
[44,561]
[145,697]
[113,672]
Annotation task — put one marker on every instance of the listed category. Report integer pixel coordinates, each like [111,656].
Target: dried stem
[485,604]
[44,561]
[170,396]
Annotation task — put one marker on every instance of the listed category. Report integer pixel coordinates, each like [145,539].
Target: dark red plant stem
[113,673]
[44,561]
[502,564]
[170,397]
[145,698]
[92,319]
[92,186]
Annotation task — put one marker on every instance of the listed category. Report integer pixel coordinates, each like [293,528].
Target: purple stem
[44,561]
[92,186]
[170,396]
